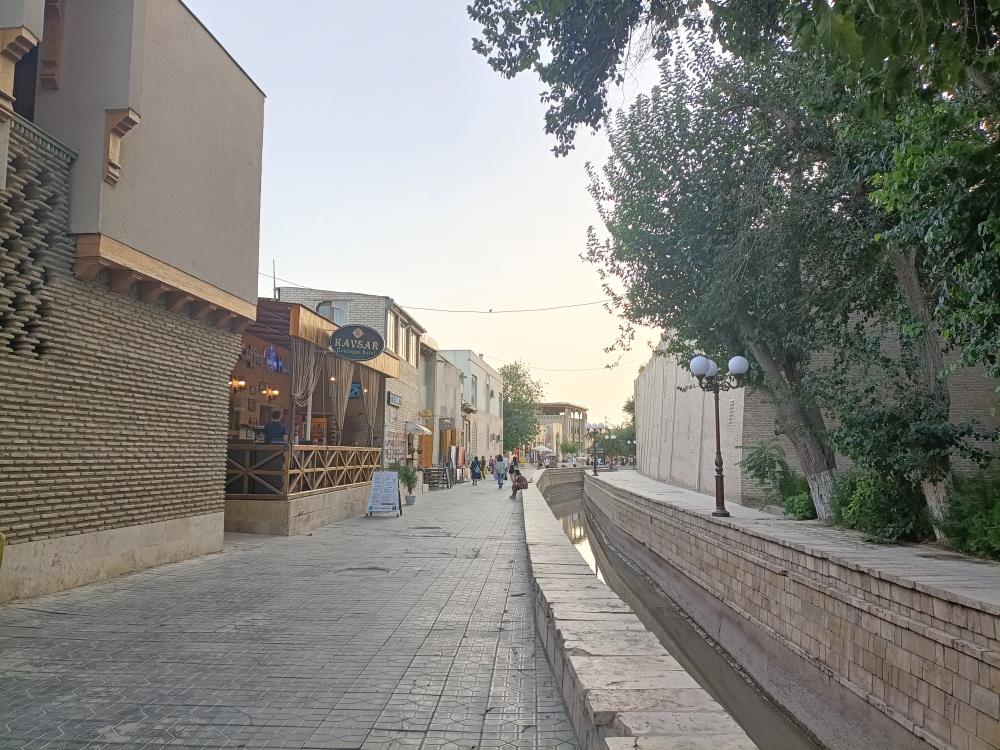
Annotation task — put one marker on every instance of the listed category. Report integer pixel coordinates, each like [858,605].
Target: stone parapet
[616,678]
[821,619]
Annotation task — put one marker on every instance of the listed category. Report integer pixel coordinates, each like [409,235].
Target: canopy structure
[417,429]
[542,449]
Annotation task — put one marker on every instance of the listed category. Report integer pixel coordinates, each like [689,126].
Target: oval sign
[357,343]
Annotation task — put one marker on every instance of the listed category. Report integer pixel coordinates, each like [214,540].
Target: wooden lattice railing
[278,472]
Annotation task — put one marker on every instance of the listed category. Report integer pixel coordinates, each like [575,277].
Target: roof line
[222,47]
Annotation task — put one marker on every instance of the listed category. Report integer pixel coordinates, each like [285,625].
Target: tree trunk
[803,424]
[931,367]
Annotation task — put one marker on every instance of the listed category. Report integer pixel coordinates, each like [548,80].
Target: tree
[710,183]
[521,396]
[629,409]
[569,448]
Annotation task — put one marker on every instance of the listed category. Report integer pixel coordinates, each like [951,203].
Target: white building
[482,403]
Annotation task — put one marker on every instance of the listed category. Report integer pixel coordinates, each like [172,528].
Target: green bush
[407,475]
[972,522]
[881,508]
[800,506]
[767,465]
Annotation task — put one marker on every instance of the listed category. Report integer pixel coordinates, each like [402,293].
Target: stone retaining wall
[621,688]
[838,644]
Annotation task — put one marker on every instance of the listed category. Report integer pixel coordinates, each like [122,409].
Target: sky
[397,162]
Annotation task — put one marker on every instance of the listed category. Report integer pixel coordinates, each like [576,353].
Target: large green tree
[521,396]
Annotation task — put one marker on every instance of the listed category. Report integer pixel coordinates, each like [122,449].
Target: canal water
[763,721]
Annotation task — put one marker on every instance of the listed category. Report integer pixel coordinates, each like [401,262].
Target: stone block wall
[113,412]
[814,628]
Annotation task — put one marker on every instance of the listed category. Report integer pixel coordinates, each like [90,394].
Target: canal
[764,721]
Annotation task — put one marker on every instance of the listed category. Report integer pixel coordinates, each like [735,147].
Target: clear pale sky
[397,162]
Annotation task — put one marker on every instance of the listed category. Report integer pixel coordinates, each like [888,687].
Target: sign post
[384,495]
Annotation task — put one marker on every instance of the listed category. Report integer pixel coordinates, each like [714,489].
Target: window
[25,77]
[337,314]
[391,331]
[475,392]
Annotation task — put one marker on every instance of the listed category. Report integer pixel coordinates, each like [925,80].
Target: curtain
[307,366]
[343,370]
[370,380]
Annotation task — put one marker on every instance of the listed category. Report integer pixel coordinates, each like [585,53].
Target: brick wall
[119,416]
[929,662]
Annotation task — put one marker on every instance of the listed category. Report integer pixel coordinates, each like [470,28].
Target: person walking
[500,470]
[477,471]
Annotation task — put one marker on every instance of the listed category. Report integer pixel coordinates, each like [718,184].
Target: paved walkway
[929,568]
[382,632]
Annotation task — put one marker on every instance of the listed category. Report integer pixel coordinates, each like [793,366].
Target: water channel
[764,722]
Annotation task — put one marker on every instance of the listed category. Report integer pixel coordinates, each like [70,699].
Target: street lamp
[594,431]
[707,373]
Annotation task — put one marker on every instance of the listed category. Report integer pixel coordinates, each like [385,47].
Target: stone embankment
[869,646]
[621,688]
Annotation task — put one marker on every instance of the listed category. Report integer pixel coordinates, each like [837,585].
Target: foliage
[620,446]
[569,448]
[407,475]
[882,509]
[972,523]
[766,463]
[800,506]
[629,409]
[521,395]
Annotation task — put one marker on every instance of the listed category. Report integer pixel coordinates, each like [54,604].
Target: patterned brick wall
[929,662]
[119,415]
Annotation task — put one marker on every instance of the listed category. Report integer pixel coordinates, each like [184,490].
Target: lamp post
[707,373]
[594,431]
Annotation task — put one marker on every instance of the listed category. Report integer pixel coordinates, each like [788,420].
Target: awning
[542,449]
[417,429]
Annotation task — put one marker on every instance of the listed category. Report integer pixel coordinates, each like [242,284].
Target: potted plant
[408,476]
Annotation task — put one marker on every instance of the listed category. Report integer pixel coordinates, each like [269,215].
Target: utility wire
[580,369]
[491,311]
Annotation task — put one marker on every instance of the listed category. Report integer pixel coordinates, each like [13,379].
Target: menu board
[383,496]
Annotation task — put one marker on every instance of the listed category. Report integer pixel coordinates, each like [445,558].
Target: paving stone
[370,633]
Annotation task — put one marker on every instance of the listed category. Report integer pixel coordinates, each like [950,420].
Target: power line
[580,369]
[490,311]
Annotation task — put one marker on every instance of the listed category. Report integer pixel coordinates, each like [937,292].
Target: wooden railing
[278,472]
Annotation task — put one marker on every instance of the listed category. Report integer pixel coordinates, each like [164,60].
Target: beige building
[482,402]
[441,407]
[129,213]
[675,430]
[399,406]
[572,419]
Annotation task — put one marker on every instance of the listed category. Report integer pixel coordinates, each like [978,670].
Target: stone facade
[114,411]
[875,653]
[675,430]
[377,312]
[441,398]
[481,388]
[572,422]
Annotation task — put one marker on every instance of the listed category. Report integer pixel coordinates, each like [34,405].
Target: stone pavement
[384,632]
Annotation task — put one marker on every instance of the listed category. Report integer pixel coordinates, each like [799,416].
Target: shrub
[767,465]
[972,522]
[407,475]
[800,506]
[883,509]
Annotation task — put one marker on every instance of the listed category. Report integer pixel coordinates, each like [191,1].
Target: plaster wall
[27,13]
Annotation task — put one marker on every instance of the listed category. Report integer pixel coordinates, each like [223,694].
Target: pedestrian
[501,470]
[520,483]
[477,471]
[493,467]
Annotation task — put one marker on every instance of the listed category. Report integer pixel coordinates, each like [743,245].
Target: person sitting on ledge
[520,483]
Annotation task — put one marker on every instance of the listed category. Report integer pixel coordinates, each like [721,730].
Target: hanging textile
[343,370]
[371,394]
[307,366]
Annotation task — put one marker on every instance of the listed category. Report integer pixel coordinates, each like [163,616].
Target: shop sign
[447,423]
[383,495]
[269,359]
[394,399]
[357,343]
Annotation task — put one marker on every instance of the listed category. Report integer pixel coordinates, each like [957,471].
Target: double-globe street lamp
[707,373]
[596,430]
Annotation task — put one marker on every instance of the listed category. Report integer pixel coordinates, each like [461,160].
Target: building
[675,430]
[482,402]
[399,410]
[441,408]
[328,406]
[129,213]
[572,420]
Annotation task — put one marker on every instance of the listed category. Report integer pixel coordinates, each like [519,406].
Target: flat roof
[561,405]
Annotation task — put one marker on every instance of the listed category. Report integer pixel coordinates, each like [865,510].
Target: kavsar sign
[357,343]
